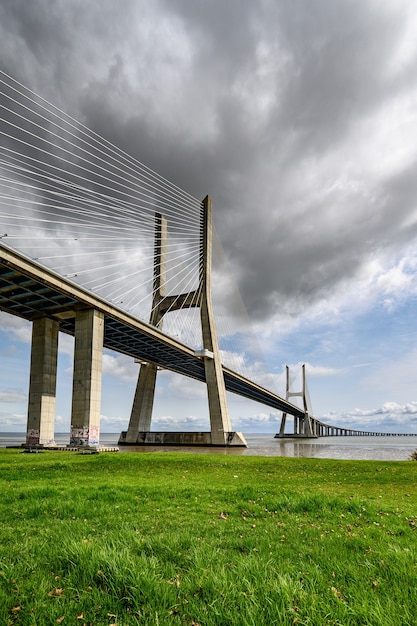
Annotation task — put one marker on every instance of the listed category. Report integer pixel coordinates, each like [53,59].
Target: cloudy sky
[300,120]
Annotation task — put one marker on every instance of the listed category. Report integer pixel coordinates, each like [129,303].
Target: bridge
[98,246]
[307,426]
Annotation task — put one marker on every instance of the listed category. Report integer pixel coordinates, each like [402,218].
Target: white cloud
[120,366]
[394,377]
[16,328]
[12,396]
[189,422]
[66,344]
[14,420]
[388,408]
[182,387]
[383,279]
[258,419]
[117,422]
[390,417]
[405,53]
[316,371]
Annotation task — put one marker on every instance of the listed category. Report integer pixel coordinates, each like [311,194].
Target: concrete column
[42,385]
[282,427]
[86,390]
[219,413]
[307,425]
[141,415]
[287,390]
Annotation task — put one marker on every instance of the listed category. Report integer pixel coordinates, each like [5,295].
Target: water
[370,448]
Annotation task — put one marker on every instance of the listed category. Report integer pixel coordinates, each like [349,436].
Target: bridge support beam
[86,390]
[141,415]
[42,386]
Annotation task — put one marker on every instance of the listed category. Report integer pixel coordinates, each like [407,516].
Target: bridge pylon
[139,429]
[303,426]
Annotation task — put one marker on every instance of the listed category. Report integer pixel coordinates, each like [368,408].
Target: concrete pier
[86,394]
[42,385]
[216,391]
[141,414]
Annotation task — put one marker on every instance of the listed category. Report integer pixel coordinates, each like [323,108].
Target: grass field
[167,538]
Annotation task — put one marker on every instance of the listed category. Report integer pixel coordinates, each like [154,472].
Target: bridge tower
[303,426]
[221,433]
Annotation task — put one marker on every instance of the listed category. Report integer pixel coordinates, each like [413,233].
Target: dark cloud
[264,105]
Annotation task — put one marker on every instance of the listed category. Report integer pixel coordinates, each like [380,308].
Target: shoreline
[395,448]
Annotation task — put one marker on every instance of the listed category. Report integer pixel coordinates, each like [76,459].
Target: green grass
[183,539]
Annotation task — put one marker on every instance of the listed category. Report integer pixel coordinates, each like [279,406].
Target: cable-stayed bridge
[95,244]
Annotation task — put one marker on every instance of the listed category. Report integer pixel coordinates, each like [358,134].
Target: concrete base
[232,439]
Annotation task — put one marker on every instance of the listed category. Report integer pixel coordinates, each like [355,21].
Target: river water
[388,448]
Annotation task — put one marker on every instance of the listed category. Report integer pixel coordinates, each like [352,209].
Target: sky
[299,119]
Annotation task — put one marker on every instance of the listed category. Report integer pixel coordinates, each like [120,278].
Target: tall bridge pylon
[303,426]
[308,427]
[139,429]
